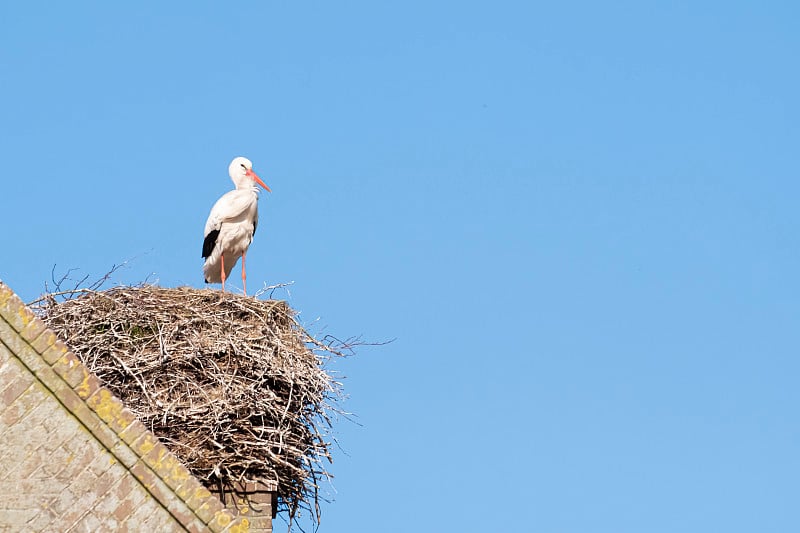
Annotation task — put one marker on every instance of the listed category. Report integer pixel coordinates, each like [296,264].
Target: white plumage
[231,224]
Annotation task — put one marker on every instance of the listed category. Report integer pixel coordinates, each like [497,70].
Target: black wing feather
[209,242]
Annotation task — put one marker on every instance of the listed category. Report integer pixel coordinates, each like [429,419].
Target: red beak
[257,179]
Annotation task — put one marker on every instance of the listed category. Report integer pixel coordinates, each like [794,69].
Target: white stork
[231,224]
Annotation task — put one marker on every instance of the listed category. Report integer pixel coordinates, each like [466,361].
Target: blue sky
[578,220]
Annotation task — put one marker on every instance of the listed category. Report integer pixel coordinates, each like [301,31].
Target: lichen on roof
[233,385]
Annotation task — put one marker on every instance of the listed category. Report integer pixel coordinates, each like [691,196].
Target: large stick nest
[234,386]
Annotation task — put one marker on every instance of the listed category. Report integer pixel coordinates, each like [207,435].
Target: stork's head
[241,172]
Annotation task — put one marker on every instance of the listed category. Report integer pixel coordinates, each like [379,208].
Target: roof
[73,454]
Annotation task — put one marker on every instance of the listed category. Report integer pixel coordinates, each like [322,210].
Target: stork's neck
[248,187]
[245,183]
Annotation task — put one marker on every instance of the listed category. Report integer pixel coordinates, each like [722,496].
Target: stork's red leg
[244,276]
[222,270]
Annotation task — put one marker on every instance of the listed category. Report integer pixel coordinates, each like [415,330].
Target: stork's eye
[244,167]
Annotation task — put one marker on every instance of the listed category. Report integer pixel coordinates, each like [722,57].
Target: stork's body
[231,225]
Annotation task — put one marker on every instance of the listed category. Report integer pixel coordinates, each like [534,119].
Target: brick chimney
[256,502]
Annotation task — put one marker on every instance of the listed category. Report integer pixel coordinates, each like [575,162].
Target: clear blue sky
[578,219]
